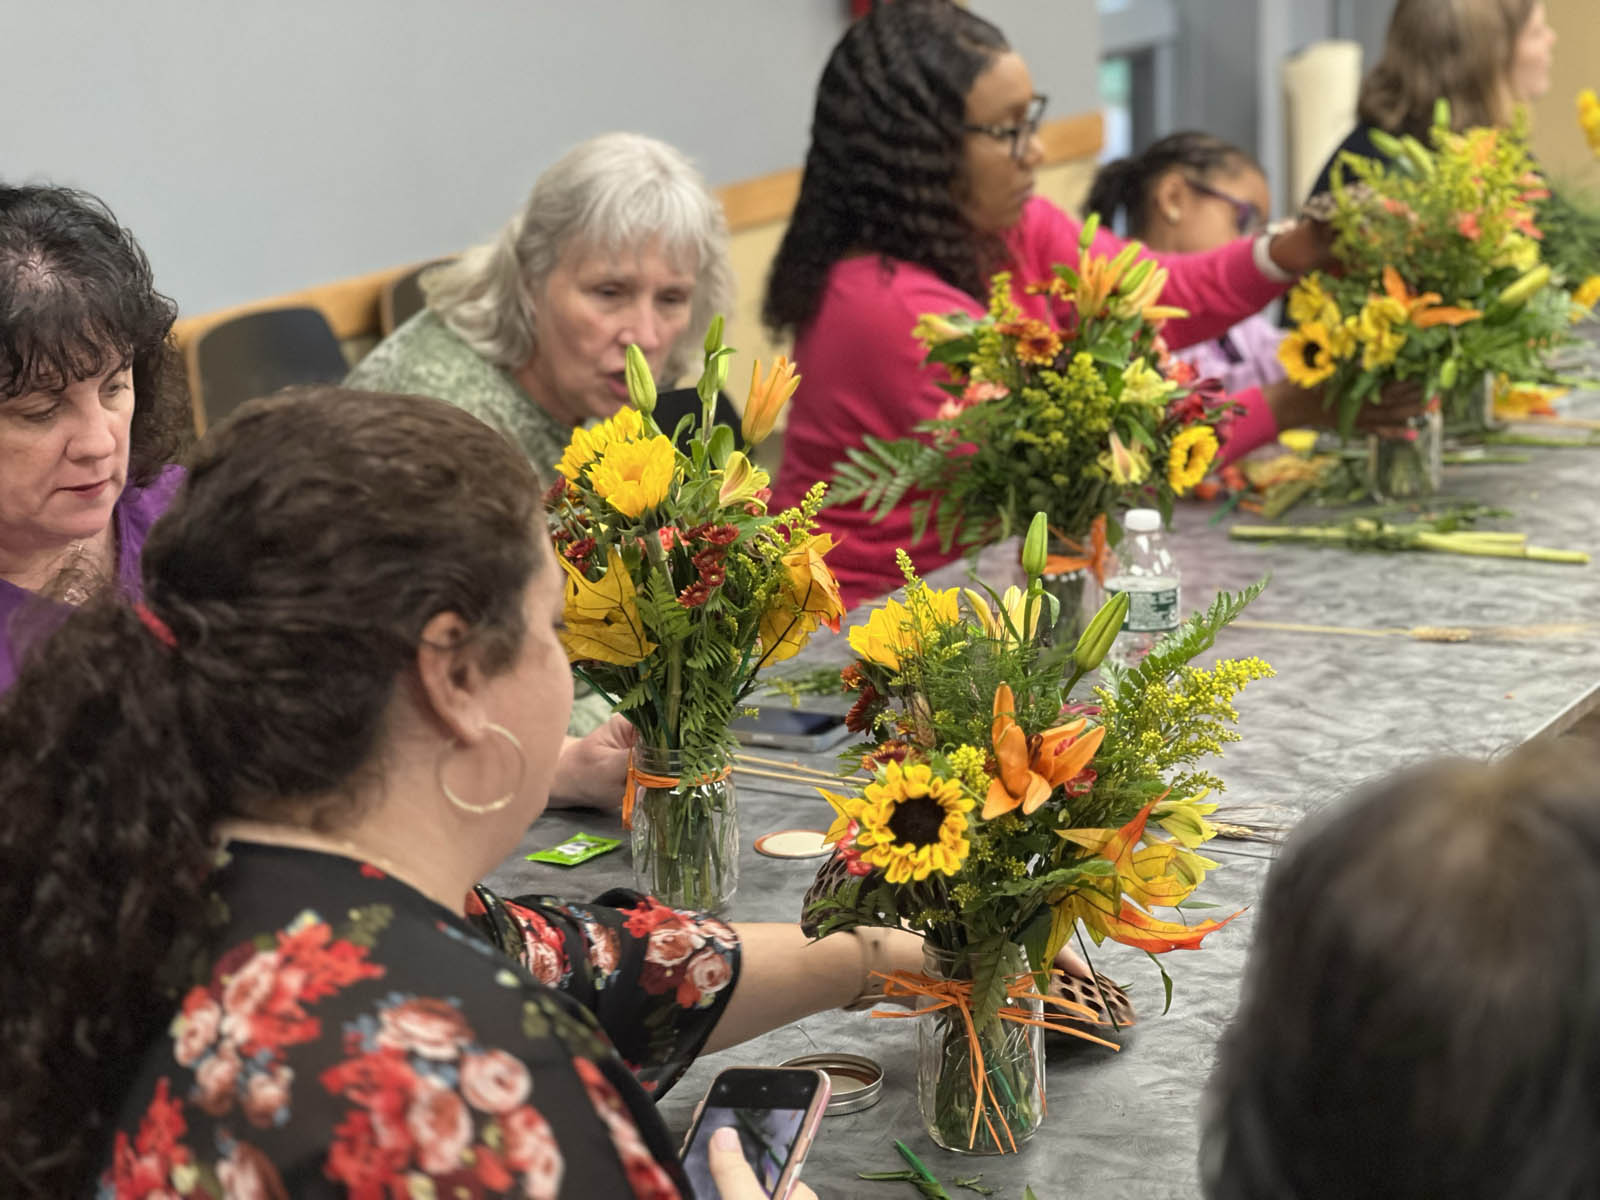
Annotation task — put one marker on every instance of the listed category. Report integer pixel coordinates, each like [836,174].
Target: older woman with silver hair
[620,241]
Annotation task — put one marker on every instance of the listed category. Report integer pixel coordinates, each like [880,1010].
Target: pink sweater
[862,371]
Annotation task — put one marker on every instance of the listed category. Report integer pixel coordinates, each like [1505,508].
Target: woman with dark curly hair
[242,824]
[1421,1011]
[91,408]
[917,187]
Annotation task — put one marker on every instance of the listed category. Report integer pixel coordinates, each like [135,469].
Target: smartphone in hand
[776,1111]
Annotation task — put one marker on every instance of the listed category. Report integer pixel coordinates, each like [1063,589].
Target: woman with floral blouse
[240,819]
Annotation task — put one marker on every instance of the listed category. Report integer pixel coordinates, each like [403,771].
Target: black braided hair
[885,155]
[1124,184]
[76,298]
[316,535]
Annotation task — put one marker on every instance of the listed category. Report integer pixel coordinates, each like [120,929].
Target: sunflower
[1307,354]
[635,476]
[589,444]
[913,823]
[1190,457]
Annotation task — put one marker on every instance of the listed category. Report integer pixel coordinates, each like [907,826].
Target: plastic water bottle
[1147,572]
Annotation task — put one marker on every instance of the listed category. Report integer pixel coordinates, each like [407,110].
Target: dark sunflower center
[1311,353]
[916,821]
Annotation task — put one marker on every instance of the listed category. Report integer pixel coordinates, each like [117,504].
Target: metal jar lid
[857,1081]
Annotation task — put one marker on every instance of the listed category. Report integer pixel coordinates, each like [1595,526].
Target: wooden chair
[258,353]
[402,298]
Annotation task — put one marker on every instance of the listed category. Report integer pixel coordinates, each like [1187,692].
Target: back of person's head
[314,538]
[1460,50]
[1125,187]
[886,141]
[616,194]
[77,298]
[1421,1012]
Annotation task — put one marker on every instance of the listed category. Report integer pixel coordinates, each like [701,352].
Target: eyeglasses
[1246,216]
[1020,134]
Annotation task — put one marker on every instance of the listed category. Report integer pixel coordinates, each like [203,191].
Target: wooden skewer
[791,765]
[787,777]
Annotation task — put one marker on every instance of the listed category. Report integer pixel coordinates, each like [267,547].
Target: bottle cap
[1142,520]
[856,1080]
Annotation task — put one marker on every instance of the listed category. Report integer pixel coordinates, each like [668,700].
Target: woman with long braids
[917,187]
[240,819]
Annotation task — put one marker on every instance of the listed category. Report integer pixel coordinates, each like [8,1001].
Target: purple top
[1246,356]
[134,513]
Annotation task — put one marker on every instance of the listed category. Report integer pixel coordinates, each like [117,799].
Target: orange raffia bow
[957,994]
[637,779]
[1096,556]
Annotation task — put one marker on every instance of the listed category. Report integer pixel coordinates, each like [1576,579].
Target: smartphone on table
[791,729]
[776,1111]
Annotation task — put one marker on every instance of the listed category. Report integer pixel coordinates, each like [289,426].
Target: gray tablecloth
[1343,708]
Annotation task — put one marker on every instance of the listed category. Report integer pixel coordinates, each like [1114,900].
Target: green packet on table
[580,847]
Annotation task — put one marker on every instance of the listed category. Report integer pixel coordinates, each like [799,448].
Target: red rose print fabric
[348,1037]
[656,978]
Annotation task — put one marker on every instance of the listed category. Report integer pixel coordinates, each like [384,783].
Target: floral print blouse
[344,1035]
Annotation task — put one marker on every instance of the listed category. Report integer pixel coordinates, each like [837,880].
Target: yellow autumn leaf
[602,617]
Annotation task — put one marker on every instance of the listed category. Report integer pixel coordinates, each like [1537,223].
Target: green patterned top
[424,357]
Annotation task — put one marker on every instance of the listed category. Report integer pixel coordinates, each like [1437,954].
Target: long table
[1345,707]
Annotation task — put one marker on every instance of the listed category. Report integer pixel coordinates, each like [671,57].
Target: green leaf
[1166,983]
[721,445]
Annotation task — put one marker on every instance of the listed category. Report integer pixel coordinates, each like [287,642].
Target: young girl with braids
[240,818]
[1188,193]
[917,187]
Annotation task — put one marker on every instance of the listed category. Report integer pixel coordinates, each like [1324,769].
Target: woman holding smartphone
[242,813]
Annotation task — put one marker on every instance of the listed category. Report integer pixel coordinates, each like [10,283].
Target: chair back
[261,352]
[402,298]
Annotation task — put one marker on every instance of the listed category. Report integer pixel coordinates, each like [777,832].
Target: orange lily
[1032,768]
[1159,874]
[1424,311]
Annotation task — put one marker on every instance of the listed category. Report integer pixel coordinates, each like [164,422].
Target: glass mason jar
[1410,463]
[685,833]
[1010,1106]
[1070,590]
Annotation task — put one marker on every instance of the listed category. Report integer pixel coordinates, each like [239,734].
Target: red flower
[710,557]
[359,1162]
[696,594]
[1082,783]
[670,536]
[646,1176]
[433,1029]
[530,1147]
[556,492]
[717,535]
[706,974]
[852,677]
[494,1082]
[649,915]
[440,1125]
[579,550]
[859,718]
[545,948]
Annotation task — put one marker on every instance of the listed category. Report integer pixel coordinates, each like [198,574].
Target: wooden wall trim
[771,198]
[351,305]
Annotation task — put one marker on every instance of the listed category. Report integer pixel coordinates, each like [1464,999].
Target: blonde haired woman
[620,241]
[1484,56]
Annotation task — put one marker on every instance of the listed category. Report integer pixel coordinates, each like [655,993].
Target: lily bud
[1096,640]
[641,384]
[1522,289]
[1441,113]
[1035,547]
[1090,228]
[767,398]
[714,335]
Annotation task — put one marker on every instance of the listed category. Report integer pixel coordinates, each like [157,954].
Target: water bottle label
[1152,611]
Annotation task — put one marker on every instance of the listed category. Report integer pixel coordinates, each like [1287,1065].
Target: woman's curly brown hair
[314,538]
[885,157]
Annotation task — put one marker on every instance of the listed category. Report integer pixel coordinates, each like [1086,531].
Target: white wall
[256,148]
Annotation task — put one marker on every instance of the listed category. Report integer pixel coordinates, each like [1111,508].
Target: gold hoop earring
[496,804]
